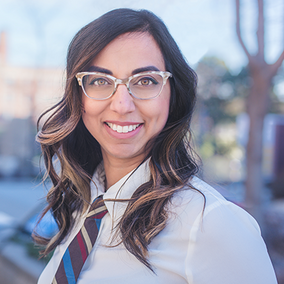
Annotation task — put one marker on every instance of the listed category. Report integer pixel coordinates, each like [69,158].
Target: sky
[39,31]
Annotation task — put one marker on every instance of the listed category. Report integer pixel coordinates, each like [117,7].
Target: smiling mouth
[122,129]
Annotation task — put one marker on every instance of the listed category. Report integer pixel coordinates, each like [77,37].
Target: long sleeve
[228,248]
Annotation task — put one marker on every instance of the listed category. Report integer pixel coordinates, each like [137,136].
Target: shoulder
[201,204]
[221,238]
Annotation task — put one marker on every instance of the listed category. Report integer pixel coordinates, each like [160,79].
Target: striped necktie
[81,246]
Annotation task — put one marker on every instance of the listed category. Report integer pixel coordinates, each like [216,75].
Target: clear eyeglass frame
[164,74]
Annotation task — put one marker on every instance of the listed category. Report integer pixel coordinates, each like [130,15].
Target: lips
[122,129]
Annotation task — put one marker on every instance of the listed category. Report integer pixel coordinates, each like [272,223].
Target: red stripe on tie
[82,246]
[100,215]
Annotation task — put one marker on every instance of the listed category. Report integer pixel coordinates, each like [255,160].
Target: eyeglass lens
[144,86]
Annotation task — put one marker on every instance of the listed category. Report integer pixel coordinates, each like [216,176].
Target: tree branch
[276,65]
[260,30]
[238,28]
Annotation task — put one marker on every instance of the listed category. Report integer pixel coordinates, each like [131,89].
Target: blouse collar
[123,189]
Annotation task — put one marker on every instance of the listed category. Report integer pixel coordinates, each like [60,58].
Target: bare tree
[262,74]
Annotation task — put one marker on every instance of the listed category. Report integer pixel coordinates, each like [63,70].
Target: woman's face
[123,124]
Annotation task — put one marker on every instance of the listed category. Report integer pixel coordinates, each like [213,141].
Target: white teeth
[119,128]
[122,129]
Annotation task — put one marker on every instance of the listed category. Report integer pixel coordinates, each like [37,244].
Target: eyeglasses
[143,86]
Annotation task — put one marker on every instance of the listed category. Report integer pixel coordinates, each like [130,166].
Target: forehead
[129,52]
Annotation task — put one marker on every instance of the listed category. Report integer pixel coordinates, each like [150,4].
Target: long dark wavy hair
[64,137]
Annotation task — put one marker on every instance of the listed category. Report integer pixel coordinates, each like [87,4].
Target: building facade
[25,92]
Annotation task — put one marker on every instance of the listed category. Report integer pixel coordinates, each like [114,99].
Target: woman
[122,131]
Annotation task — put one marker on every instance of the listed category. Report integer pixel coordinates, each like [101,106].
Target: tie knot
[97,209]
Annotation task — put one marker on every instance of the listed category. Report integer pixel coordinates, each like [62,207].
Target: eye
[99,82]
[146,81]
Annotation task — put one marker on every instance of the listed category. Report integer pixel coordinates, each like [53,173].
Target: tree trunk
[257,109]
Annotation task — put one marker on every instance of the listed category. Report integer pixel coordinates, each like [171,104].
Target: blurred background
[236,48]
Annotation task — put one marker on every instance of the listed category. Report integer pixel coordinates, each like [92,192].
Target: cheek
[91,108]
[165,111]
[164,104]
[158,110]
[91,114]
[87,120]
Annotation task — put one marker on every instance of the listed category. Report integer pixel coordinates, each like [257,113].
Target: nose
[121,101]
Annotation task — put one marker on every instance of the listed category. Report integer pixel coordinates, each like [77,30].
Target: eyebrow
[94,68]
[145,69]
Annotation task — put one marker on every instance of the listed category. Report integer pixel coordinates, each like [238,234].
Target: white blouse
[220,245]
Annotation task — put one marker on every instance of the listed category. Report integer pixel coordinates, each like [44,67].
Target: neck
[115,169]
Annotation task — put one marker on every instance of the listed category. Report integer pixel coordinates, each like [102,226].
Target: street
[19,200]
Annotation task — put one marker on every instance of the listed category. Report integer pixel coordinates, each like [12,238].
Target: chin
[125,153]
